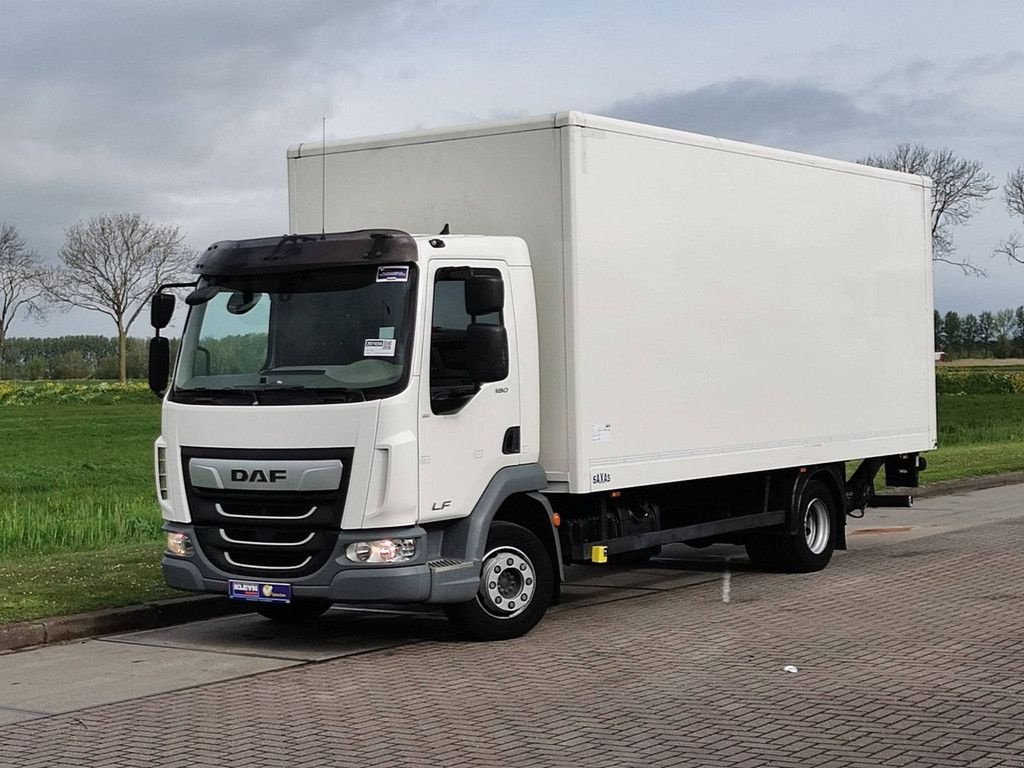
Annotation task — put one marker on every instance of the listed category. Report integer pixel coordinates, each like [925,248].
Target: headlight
[179,544]
[381,551]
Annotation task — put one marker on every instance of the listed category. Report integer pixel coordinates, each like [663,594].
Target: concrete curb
[964,485]
[159,613]
[180,610]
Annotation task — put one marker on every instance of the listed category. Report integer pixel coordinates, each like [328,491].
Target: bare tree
[21,282]
[960,188]
[113,263]
[1013,195]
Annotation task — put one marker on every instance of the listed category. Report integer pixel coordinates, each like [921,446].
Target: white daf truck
[624,336]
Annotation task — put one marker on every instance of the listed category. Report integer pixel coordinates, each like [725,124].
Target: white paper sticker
[392,274]
[379,348]
[602,433]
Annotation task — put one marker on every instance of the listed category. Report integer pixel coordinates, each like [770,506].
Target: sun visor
[295,253]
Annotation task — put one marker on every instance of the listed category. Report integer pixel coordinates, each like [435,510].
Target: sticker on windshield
[379,348]
[392,274]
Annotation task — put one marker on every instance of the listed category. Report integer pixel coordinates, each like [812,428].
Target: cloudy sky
[183,110]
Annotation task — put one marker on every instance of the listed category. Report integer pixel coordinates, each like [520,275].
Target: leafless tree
[960,188]
[1013,195]
[113,263]
[21,282]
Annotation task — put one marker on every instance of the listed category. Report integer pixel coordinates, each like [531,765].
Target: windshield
[334,335]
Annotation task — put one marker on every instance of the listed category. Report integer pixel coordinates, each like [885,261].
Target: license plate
[260,591]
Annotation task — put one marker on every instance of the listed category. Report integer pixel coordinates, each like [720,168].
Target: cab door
[468,428]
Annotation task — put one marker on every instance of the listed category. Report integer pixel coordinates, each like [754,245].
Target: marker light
[179,544]
[161,472]
[381,551]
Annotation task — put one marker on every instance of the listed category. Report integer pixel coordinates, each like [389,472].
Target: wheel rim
[817,526]
[507,582]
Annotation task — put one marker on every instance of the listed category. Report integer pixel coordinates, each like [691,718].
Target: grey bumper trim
[339,581]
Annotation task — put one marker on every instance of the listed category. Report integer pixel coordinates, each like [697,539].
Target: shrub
[966,381]
[23,393]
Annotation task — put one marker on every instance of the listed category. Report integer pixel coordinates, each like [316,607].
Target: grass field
[72,582]
[79,524]
[80,528]
[76,477]
[978,435]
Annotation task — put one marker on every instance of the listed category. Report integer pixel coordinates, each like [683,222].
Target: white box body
[704,307]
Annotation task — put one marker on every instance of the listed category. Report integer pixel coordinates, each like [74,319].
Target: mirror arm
[165,286]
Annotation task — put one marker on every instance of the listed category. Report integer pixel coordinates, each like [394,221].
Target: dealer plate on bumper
[260,591]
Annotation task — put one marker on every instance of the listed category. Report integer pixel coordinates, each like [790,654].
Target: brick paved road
[910,654]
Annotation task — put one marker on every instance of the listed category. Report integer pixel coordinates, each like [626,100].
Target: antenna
[323,177]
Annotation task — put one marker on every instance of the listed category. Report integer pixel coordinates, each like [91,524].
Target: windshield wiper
[260,394]
[209,394]
[316,394]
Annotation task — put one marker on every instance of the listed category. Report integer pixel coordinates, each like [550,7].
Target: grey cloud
[983,66]
[806,117]
[910,72]
[127,105]
[753,110]
[156,76]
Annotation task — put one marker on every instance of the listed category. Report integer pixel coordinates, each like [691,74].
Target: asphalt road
[908,650]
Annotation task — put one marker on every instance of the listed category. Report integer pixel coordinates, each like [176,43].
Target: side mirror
[484,294]
[487,352]
[161,309]
[159,364]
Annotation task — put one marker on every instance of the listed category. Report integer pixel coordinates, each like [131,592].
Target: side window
[452,371]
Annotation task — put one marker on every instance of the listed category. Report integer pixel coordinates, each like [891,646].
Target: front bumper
[424,580]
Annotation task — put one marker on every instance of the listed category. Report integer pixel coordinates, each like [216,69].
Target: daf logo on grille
[258,475]
[269,475]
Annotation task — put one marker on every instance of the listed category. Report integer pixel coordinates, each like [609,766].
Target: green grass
[79,522]
[978,435]
[973,419]
[959,461]
[60,584]
[76,477]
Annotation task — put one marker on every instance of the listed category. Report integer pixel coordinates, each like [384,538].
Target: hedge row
[28,393]
[967,381]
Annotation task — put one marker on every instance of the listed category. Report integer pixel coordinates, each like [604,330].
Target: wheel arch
[533,511]
[512,497]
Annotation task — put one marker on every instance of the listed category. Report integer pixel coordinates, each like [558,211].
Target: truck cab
[339,404]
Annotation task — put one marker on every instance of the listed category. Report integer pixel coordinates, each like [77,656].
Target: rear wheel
[298,611]
[516,587]
[811,547]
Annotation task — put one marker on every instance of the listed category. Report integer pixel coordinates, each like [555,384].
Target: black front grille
[269,534]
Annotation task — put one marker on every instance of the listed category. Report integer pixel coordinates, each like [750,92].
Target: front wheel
[516,587]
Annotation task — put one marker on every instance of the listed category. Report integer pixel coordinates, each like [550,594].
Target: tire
[811,548]
[301,611]
[516,563]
